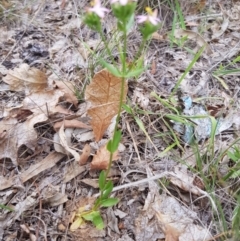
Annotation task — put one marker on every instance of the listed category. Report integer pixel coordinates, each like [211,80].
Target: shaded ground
[45,187]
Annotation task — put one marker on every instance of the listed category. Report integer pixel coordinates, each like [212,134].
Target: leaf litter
[38,99]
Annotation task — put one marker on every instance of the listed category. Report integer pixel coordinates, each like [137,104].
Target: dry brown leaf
[45,102]
[86,152]
[101,159]
[157,36]
[69,92]
[64,143]
[72,171]
[70,124]
[47,163]
[104,95]
[171,233]
[153,67]
[18,134]
[26,77]
[184,180]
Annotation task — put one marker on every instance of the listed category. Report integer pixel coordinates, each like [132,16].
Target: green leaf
[134,72]
[195,59]
[237,59]
[116,140]
[127,108]
[177,118]
[130,23]
[141,126]
[98,222]
[96,218]
[109,202]
[112,145]
[102,179]
[6,208]
[233,156]
[235,174]
[107,189]
[112,69]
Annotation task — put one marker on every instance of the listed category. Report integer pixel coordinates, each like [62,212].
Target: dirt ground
[159,183]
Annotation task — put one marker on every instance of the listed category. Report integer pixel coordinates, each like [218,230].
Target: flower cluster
[98,9]
[151,17]
[124,12]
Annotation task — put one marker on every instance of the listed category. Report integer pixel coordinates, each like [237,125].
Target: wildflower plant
[123,10]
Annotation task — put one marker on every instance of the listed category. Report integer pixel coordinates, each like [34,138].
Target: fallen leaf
[91,182]
[22,206]
[184,180]
[64,143]
[101,159]
[17,134]
[26,77]
[45,102]
[72,171]
[69,92]
[177,221]
[53,197]
[153,67]
[70,124]
[219,32]
[104,94]
[157,36]
[85,154]
[48,162]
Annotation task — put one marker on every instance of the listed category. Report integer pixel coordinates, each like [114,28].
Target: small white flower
[98,9]
[151,17]
[121,2]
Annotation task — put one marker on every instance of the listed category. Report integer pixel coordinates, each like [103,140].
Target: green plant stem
[138,54]
[121,96]
[96,206]
[106,46]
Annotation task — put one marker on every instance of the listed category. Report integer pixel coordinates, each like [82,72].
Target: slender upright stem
[139,52]
[107,47]
[96,206]
[121,94]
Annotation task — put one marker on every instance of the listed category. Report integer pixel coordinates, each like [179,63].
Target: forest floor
[177,170]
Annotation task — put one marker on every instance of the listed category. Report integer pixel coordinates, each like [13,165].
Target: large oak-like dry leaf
[45,102]
[104,95]
[26,77]
[69,92]
[101,159]
[18,134]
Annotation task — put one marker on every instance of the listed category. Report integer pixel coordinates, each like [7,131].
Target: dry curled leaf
[104,94]
[101,159]
[85,154]
[64,141]
[15,134]
[70,124]
[26,76]
[69,92]
[45,102]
